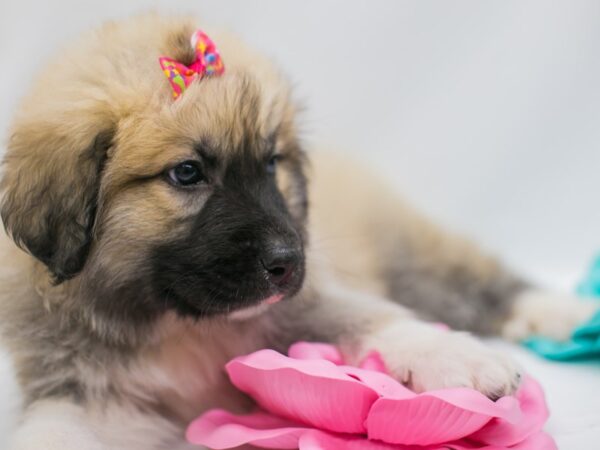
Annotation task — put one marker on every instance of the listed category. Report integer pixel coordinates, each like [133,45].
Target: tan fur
[85,168]
[361,226]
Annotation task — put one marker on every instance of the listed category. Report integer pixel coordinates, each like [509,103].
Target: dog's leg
[63,425]
[545,313]
[446,278]
[380,243]
[422,355]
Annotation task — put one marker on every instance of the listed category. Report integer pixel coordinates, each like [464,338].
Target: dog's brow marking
[207,154]
[271,141]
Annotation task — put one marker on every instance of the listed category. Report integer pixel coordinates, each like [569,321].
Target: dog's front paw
[425,358]
[542,313]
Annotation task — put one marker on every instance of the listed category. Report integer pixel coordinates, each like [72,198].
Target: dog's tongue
[273,299]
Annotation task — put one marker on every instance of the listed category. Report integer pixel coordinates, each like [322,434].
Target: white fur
[422,355]
[426,357]
[538,312]
[61,425]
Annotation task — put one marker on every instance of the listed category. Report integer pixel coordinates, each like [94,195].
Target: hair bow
[208,62]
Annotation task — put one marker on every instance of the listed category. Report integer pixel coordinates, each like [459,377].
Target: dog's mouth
[255,309]
[259,303]
[273,299]
[221,298]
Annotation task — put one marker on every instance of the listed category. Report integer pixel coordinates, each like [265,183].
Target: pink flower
[311,400]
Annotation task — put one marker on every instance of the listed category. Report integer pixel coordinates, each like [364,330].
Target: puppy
[156,239]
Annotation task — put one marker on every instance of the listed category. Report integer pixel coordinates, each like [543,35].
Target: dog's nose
[280,261]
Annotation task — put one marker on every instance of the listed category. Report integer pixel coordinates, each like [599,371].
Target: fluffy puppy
[154,237]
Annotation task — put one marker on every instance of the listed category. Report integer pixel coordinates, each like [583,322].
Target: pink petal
[313,392]
[218,429]
[403,417]
[380,382]
[535,413]
[441,326]
[436,417]
[316,350]
[373,361]
[317,440]
[537,441]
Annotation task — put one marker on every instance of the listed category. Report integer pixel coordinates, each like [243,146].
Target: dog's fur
[126,294]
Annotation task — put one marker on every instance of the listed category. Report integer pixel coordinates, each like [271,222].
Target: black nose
[280,261]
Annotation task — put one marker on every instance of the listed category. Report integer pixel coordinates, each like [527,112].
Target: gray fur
[455,295]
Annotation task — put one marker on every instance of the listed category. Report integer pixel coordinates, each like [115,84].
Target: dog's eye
[272,163]
[186,173]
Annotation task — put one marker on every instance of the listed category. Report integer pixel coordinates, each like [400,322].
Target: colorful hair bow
[208,62]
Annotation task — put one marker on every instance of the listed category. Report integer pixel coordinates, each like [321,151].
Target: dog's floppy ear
[49,190]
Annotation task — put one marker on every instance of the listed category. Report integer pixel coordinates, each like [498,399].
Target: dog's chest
[186,374]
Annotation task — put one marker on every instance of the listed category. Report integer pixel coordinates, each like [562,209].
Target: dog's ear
[49,190]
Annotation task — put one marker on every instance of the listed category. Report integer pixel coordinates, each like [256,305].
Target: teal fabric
[585,341]
[590,286]
[584,344]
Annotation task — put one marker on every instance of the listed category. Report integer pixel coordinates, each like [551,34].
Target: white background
[484,113]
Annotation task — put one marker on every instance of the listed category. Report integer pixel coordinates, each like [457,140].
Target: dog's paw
[425,358]
[540,313]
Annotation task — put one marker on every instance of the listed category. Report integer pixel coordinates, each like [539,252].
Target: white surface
[572,395]
[484,113]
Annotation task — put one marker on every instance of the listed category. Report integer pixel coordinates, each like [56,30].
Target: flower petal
[380,382]
[316,350]
[313,392]
[319,404]
[373,361]
[535,413]
[437,416]
[318,440]
[537,441]
[218,429]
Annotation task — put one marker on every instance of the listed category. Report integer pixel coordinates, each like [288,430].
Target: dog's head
[197,205]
